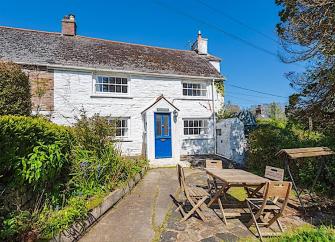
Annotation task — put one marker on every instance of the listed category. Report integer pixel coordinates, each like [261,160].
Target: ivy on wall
[219,87]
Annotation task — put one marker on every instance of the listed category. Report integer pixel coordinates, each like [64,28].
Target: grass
[307,233]
[238,193]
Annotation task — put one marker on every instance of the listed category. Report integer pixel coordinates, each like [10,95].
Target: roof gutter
[94,69]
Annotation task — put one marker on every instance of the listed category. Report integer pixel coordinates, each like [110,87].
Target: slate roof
[48,48]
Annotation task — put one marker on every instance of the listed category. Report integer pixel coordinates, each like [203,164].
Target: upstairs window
[121,127]
[106,84]
[194,89]
[195,126]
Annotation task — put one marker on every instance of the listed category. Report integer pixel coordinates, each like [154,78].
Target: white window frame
[127,119]
[111,94]
[202,134]
[203,87]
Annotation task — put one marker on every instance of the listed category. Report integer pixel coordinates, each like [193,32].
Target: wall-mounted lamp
[175,115]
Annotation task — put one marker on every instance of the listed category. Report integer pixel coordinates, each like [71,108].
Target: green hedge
[272,136]
[18,137]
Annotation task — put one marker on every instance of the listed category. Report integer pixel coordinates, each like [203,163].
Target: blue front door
[163,146]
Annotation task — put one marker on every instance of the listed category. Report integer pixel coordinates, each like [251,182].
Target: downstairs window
[121,127]
[195,126]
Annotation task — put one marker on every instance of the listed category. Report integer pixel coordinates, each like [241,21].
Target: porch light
[175,113]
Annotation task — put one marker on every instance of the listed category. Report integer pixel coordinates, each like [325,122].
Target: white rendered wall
[73,91]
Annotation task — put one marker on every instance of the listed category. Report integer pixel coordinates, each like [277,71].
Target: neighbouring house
[164,99]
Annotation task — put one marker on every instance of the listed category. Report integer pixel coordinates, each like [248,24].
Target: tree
[228,111]
[275,112]
[15,96]
[307,29]
[307,33]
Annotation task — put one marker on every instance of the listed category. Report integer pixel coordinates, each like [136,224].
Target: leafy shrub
[321,234]
[44,164]
[16,224]
[18,137]
[91,174]
[15,97]
[71,170]
[93,133]
[272,136]
[51,221]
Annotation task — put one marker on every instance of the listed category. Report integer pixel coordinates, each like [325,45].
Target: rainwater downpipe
[214,121]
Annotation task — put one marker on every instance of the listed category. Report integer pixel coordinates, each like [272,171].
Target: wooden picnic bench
[234,178]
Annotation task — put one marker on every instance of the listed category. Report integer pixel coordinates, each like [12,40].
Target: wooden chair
[212,183]
[262,208]
[196,196]
[271,173]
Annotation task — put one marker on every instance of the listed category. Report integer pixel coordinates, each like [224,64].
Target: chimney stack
[200,45]
[69,27]
[259,110]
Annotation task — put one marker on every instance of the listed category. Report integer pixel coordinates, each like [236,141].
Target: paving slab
[214,230]
[135,217]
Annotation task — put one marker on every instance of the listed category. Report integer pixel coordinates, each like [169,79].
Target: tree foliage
[228,111]
[15,96]
[307,33]
[307,28]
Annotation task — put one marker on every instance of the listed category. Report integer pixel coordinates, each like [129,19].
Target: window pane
[105,79]
[124,80]
[186,131]
[158,125]
[196,131]
[185,92]
[112,80]
[112,88]
[124,89]
[118,89]
[185,123]
[166,124]
[118,80]
[190,131]
[205,123]
[118,132]
[196,123]
[98,88]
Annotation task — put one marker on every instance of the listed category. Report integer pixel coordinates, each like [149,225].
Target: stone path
[139,215]
[214,229]
[148,214]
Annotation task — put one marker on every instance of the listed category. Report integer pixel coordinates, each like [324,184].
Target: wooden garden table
[234,178]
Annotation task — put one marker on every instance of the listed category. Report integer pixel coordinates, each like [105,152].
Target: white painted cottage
[164,99]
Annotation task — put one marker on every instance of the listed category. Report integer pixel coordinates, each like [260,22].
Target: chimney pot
[69,26]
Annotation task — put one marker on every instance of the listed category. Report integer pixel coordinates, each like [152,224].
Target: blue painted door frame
[163,141]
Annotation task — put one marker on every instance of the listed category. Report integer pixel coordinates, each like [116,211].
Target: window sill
[123,140]
[110,96]
[196,137]
[194,98]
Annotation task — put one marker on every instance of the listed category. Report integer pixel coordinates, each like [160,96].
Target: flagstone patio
[214,229]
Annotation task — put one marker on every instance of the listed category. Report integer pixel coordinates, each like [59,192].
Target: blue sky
[151,23]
